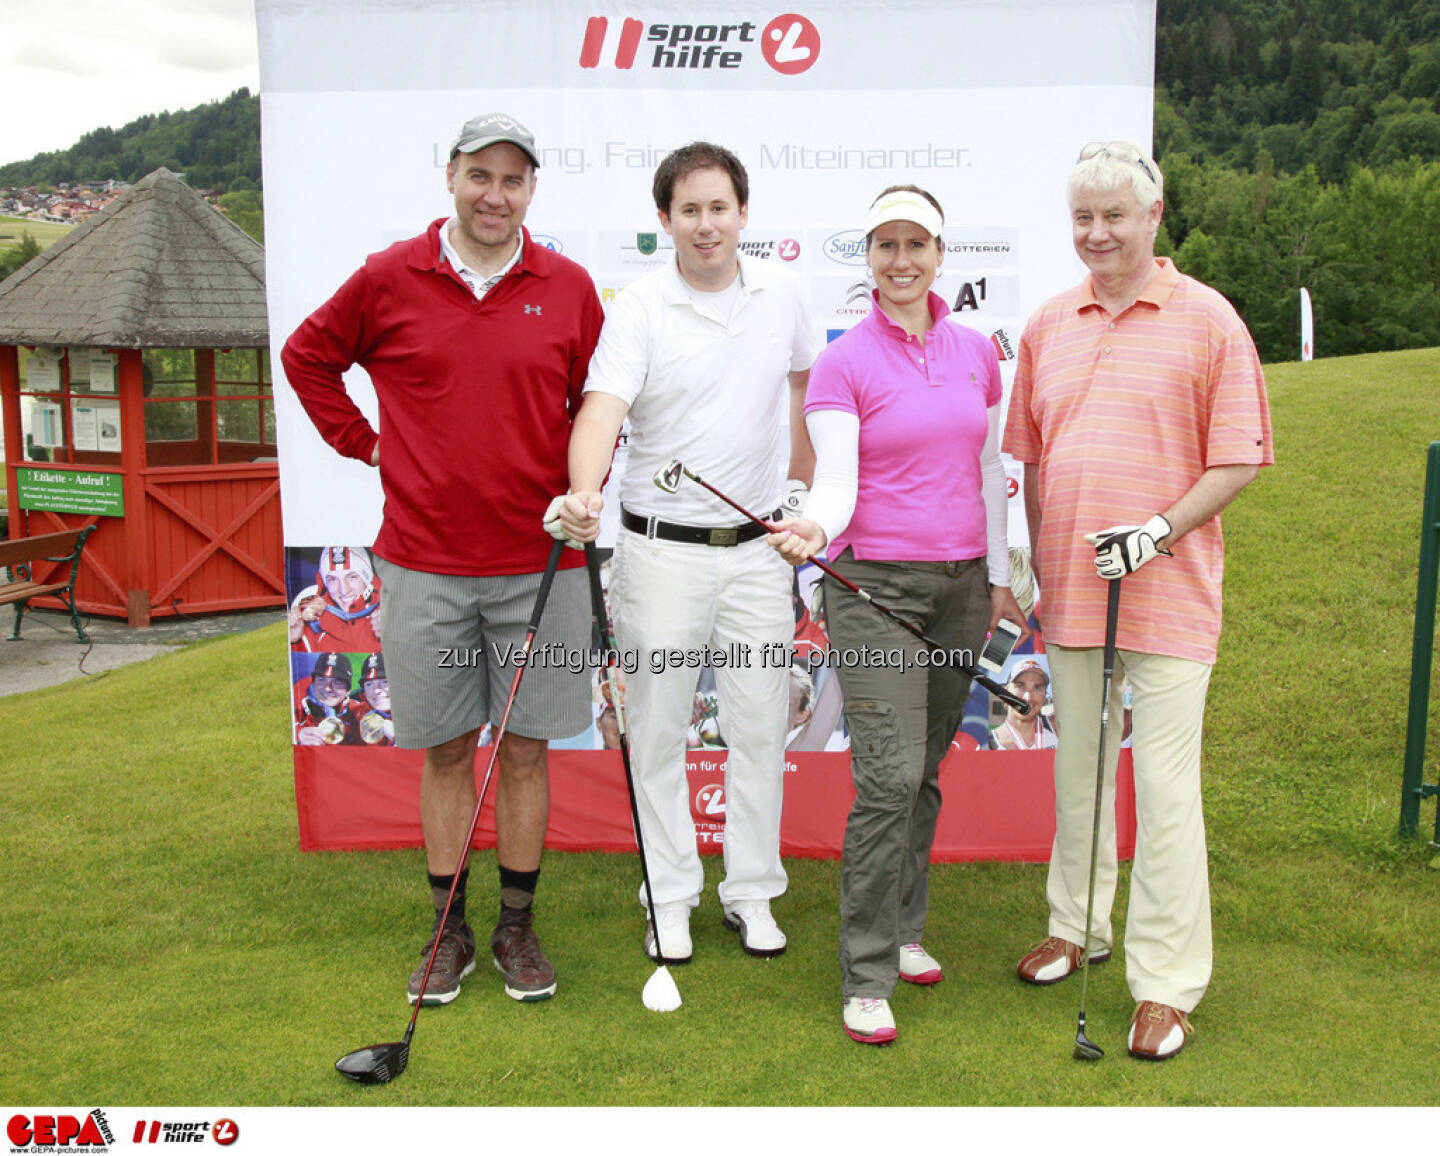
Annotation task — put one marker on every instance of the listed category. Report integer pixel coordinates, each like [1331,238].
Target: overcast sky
[69,66]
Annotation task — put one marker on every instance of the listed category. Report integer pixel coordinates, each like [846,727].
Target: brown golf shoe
[528,974]
[1157,1031]
[454,960]
[1053,959]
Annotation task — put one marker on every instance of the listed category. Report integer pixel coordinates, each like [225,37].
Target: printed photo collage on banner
[337,670]
[340,693]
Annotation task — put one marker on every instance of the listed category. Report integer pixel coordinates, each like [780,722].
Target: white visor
[903,205]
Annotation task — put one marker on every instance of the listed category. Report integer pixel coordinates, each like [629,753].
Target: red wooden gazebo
[135,383]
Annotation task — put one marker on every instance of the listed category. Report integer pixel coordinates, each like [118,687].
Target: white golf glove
[1121,550]
[796,492]
[553,526]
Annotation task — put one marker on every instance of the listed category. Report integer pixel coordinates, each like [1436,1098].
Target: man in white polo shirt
[702,355]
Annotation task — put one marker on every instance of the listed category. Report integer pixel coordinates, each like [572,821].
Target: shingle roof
[157,268]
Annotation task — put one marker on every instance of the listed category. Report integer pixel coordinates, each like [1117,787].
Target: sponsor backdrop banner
[984,104]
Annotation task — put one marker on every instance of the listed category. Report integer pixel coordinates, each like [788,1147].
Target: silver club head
[668,476]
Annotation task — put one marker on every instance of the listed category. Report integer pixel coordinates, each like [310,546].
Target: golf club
[1085,1047]
[660,992]
[668,479]
[381,1063]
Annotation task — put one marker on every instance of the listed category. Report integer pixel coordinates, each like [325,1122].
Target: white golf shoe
[673,920]
[759,934]
[868,1021]
[918,966]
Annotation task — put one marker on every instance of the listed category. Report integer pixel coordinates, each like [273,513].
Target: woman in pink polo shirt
[909,503]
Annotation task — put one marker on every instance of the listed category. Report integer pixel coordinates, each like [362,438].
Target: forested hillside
[212,144]
[1300,140]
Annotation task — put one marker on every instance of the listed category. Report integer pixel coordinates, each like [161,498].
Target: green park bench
[18,559]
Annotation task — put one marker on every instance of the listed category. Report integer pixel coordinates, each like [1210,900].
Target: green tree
[19,255]
[244,208]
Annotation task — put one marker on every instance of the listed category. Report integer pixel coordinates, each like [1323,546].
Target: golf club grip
[547,580]
[597,596]
[1112,623]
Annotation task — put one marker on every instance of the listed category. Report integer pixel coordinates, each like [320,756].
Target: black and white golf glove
[1121,550]
[553,527]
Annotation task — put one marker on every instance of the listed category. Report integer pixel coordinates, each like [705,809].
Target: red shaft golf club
[383,1062]
[668,479]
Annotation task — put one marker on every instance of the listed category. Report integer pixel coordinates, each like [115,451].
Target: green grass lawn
[166,943]
[44,232]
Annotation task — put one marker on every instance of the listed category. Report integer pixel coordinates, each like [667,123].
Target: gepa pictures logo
[789,43]
[42,1132]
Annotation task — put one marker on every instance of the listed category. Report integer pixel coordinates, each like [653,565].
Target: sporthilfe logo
[789,44]
[223,1131]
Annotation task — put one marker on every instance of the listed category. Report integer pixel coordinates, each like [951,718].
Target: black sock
[440,891]
[517,891]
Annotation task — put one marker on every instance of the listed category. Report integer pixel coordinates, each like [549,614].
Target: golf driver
[381,1063]
[1085,1047]
[668,479]
[660,992]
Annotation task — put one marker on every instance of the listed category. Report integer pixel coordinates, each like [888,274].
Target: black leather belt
[695,535]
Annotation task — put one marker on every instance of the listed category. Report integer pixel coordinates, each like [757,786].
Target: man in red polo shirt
[477,341]
[1139,411]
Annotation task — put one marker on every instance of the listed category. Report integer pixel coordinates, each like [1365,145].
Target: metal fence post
[1414,788]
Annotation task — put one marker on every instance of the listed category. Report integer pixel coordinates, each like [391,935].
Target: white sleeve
[993,488]
[835,434]
[622,356]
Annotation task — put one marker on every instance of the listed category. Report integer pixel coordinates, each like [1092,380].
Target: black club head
[375,1065]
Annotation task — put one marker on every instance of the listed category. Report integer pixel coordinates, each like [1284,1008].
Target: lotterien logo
[789,44]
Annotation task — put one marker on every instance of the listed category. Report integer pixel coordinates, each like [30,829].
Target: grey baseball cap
[494,128]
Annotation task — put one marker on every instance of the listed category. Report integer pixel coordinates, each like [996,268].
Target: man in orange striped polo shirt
[1139,410]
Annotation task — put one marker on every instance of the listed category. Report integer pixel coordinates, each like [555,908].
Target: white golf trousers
[674,597]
